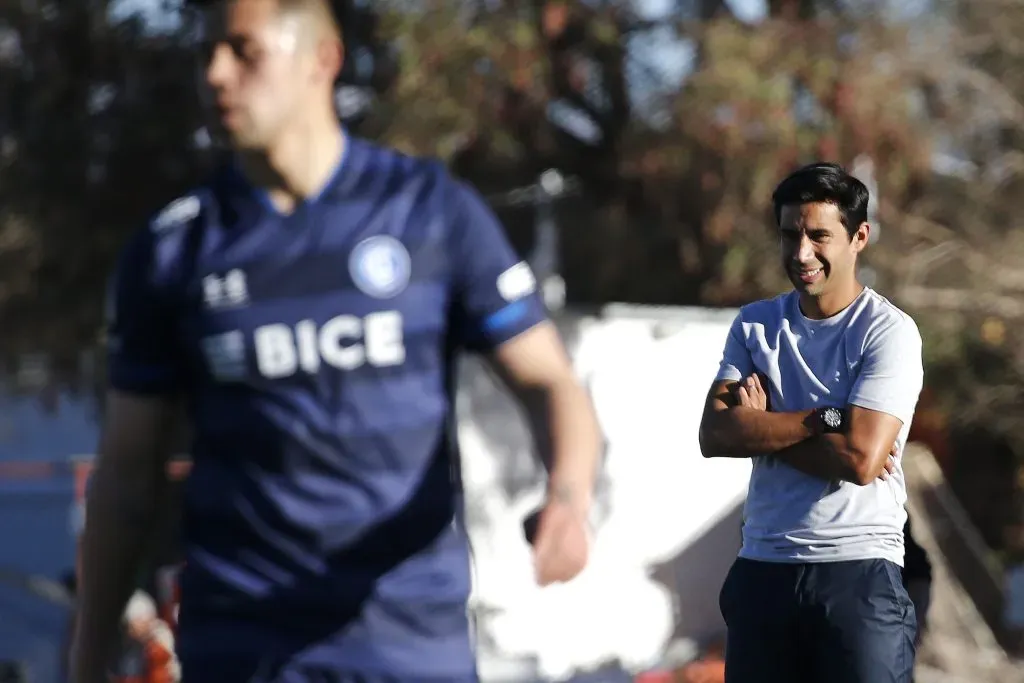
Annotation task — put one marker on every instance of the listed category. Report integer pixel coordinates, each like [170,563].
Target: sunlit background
[630,149]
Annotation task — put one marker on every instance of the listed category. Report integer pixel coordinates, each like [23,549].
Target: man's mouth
[809,275]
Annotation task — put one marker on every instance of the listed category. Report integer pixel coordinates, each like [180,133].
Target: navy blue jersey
[315,351]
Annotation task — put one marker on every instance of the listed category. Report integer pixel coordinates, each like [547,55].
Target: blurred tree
[678,128]
[968,283]
[98,129]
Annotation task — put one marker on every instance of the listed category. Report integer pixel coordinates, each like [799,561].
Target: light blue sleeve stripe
[506,317]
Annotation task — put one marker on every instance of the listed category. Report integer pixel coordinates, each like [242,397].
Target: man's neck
[828,305]
[298,166]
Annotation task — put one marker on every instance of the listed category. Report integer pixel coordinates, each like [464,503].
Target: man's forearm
[118,525]
[827,456]
[568,437]
[741,432]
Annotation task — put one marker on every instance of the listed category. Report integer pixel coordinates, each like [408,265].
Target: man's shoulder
[385,154]
[766,311]
[424,188]
[881,308]
[403,172]
[884,320]
[185,210]
[163,238]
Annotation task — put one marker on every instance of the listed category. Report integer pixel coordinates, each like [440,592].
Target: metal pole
[546,259]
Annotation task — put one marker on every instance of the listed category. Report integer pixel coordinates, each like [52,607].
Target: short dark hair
[826,183]
[341,10]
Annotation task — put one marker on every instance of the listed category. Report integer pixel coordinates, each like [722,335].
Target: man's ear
[331,58]
[861,236]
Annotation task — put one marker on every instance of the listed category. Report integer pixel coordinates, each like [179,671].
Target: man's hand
[536,367]
[750,393]
[561,543]
[890,462]
[738,421]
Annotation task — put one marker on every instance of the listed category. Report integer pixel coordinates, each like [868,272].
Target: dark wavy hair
[825,183]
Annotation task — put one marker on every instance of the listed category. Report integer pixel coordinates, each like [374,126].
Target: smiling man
[818,387]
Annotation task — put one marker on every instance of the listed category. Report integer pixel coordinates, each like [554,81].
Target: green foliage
[676,193]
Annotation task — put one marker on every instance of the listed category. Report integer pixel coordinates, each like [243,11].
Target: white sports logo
[517,282]
[345,342]
[380,266]
[177,212]
[225,292]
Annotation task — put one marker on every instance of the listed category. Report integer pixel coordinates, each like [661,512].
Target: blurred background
[630,148]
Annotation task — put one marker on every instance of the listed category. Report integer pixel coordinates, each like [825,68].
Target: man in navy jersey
[303,308]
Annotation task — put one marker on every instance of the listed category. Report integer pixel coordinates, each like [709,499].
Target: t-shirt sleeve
[737,362]
[144,356]
[495,292]
[891,372]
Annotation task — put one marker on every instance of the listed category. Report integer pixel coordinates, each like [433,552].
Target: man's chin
[240,139]
[243,143]
[814,289]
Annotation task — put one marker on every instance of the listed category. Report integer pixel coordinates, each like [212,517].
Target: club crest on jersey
[380,266]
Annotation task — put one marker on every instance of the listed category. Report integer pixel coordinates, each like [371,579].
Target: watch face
[832,418]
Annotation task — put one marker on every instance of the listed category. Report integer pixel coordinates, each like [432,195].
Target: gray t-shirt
[869,355]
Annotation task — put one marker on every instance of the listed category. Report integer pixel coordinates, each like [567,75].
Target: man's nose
[804,250]
[218,69]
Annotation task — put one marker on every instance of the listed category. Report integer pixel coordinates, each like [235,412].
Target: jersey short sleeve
[495,292]
[144,356]
[891,371]
[737,362]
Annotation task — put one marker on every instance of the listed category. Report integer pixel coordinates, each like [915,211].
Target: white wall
[667,520]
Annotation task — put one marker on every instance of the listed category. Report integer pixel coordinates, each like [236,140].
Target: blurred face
[263,70]
[818,254]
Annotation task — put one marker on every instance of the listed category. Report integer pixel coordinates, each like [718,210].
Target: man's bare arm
[858,455]
[728,430]
[537,369]
[126,492]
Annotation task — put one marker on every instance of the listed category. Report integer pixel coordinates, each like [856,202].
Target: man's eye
[244,50]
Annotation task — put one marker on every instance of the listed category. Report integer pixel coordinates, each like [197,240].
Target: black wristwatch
[831,420]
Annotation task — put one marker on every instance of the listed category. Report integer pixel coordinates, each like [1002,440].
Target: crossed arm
[738,423]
